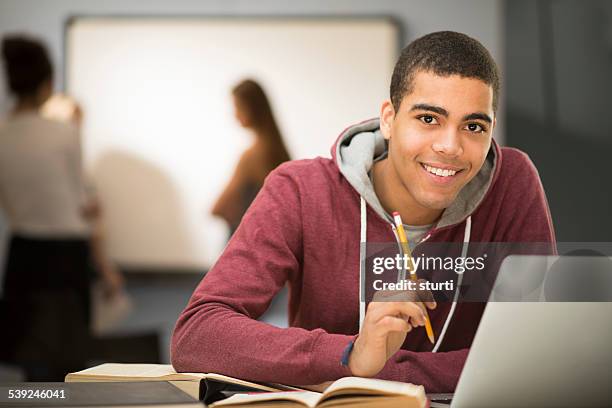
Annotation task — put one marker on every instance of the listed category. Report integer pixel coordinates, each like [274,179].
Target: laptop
[533,352]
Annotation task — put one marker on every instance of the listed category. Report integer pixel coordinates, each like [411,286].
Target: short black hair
[27,64]
[443,53]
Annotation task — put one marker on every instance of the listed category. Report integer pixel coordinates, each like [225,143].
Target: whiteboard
[159,136]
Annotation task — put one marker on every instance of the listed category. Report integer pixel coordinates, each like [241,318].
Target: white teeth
[440,172]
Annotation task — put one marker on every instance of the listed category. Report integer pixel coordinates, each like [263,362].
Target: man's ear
[387,115]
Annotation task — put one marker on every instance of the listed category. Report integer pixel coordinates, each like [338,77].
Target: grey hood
[359,146]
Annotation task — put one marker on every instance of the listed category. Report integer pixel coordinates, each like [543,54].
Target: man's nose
[448,143]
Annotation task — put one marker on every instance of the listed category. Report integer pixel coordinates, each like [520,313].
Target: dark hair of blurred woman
[253,112]
[28,70]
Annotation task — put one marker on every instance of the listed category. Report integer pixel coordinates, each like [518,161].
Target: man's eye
[429,120]
[475,127]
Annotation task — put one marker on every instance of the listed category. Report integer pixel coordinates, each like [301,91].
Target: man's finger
[394,324]
[405,310]
[415,323]
[426,296]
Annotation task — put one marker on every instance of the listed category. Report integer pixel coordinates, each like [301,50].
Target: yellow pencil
[413,276]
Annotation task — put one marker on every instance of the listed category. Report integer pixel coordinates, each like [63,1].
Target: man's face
[443,126]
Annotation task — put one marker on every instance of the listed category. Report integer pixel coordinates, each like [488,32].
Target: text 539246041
[14,393]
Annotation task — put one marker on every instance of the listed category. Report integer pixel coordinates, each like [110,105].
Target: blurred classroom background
[160,140]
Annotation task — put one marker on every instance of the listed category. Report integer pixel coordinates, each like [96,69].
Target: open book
[348,391]
[206,387]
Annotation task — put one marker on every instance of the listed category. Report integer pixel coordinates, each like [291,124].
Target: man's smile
[441,174]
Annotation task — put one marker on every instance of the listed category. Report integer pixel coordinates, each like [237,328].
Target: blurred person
[46,286]
[253,112]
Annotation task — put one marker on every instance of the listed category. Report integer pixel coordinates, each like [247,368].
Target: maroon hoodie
[303,229]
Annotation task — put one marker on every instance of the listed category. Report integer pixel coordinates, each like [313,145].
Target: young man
[430,157]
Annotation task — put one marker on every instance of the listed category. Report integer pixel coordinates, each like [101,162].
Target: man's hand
[389,318]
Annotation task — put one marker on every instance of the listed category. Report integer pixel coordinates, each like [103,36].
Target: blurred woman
[46,281]
[253,112]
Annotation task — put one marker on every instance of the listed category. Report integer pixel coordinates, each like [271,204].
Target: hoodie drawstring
[362,256]
[466,241]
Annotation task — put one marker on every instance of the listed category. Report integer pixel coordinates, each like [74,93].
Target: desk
[159,394]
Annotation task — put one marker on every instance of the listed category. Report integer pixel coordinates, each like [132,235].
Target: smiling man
[430,157]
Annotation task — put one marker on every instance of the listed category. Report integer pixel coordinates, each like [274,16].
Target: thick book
[207,387]
[348,391]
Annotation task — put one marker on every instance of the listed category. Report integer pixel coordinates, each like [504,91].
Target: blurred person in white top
[55,226]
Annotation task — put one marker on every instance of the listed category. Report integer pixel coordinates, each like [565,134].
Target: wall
[479,18]
[558,82]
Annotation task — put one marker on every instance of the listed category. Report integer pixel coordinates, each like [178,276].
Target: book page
[130,371]
[308,398]
[372,386]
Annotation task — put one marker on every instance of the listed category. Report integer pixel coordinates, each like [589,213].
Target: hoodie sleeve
[218,331]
